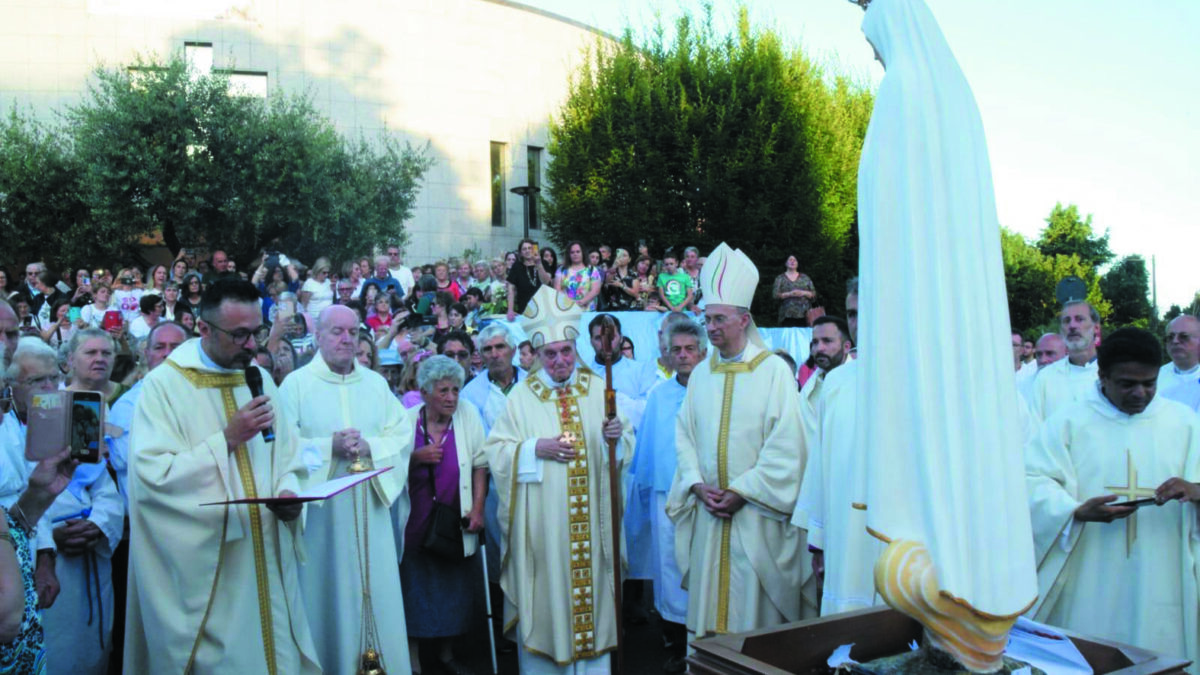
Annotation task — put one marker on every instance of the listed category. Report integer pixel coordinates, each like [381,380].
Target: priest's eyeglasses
[240,335]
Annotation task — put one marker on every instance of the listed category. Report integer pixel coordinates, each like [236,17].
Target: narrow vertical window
[534,167]
[498,189]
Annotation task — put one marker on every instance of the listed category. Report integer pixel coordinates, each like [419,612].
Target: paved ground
[644,651]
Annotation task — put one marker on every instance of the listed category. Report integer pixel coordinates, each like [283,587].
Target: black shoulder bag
[443,537]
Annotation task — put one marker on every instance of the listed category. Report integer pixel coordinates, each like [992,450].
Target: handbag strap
[429,441]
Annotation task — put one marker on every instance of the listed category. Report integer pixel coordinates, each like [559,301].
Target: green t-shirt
[675,286]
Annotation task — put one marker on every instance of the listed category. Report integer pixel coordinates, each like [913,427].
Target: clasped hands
[720,503]
[1099,509]
[76,536]
[349,444]
[560,450]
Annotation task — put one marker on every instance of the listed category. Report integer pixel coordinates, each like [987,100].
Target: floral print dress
[579,283]
[25,655]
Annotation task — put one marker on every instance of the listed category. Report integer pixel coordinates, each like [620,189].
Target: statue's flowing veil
[938,416]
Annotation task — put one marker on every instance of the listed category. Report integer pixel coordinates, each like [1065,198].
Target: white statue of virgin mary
[937,398]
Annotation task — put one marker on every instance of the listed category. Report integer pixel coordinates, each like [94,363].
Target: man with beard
[831,344]
[1069,379]
[836,529]
[214,589]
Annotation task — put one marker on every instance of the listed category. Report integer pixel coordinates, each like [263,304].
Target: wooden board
[801,648]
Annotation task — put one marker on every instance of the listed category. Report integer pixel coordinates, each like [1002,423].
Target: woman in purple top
[447,466]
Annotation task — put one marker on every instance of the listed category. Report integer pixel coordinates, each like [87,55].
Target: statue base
[930,661]
[878,634]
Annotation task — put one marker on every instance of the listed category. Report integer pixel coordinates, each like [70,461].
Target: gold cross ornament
[1130,491]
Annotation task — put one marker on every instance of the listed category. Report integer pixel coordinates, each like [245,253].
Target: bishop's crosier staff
[608,334]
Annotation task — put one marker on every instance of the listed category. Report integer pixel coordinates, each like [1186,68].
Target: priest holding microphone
[214,589]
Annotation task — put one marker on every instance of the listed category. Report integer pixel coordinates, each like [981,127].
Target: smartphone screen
[86,417]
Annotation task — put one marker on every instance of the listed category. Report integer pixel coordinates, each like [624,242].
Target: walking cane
[608,334]
[487,599]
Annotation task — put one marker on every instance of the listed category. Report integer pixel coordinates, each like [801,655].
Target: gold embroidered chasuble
[212,588]
[556,568]
[740,429]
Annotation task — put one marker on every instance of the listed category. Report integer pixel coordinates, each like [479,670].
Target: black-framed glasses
[240,335]
[459,355]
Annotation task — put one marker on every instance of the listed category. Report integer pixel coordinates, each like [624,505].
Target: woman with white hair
[27,491]
[89,520]
[448,470]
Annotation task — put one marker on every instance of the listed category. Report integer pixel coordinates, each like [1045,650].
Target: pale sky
[1084,102]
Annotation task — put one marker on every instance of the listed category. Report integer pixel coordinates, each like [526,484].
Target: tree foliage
[707,139]
[1066,233]
[155,148]
[1127,286]
[41,209]
[1032,277]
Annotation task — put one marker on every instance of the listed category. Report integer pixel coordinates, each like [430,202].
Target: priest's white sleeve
[1052,485]
[392,446]
[108,513]
[810,505]
[315,452]
[1053,489]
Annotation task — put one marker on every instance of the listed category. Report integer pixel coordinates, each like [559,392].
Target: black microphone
[254,381]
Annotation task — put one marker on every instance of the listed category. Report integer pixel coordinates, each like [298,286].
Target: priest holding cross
[1113,499]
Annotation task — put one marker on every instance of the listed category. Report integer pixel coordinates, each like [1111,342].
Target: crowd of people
[496,450]
[407,311]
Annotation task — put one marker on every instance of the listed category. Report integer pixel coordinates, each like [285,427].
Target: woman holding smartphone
[88,518]
[62,328]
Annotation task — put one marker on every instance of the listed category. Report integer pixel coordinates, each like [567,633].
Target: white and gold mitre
[728,278]
[551,316]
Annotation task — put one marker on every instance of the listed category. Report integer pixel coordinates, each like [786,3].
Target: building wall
[456,74]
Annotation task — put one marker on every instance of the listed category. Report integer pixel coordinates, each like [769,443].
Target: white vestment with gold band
[740,429]
[212,589]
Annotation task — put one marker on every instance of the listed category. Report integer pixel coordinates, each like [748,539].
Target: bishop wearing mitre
[739,468]
[548,453]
